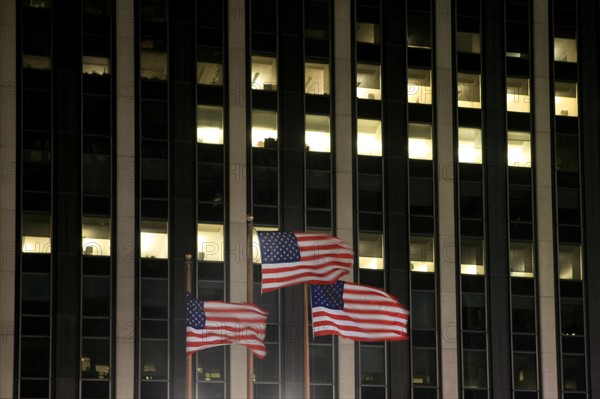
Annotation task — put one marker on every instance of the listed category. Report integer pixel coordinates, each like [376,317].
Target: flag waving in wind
[295,258]
[215,323]
[357,312]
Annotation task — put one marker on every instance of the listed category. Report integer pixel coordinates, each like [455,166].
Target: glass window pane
[569,262]
[420,144]
[267,369]
[211,364]
[321,364]
[264,129]
[469,145]
[424,367]
[209,127]
[523,314]
[517,95]
[421,254]
[519,149]
[96,236]
[474,369]
[574,373]
[473,312]
[35,357]
[154,298]
[95,358]
[210,242]
[521,259]
[469,90]
[471,257]
[368,81]
[565,49]
[36,233]
[370,251]
[418,29]
[571,316]
[419,86]
[209,73]
[567,153]
[565,98]
[368,33]
[154,360]
[264,73]
[154,239]
[423,314]
[317,137]
[95,296]
[95,65]
[525,371]
[316,78]
[467,42]
[372,365]
[153,60]
[369,137]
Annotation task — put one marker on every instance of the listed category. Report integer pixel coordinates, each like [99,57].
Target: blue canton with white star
[196,318]
[329,296]
[278,247]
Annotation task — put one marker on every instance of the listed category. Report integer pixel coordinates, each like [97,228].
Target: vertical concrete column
[343,174]
[8,170]
[237,145]
[444,126]
[543,172]
[125,191]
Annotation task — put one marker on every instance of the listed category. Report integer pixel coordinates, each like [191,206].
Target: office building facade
[454,144]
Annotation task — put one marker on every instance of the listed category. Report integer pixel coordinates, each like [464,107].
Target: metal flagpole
[250,299]
[189,374]
[306,347]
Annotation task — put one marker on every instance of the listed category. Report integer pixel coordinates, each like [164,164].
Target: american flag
[357,312]
[215,323]
[296,258]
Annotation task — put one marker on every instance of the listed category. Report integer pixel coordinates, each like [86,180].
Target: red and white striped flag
[215,323]
[295,258]
[357,312]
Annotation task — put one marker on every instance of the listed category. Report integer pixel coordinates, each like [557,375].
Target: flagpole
[250,299]
[188,283]
[306,347]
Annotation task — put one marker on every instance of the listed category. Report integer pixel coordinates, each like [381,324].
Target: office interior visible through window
[368,33]
[368,137]
[469,145]
[316,78]
[264,73]
[211,242]
[209,124]
[569,262]
[469,90]
[565,49]
[519,149]
[419,88]
[264,129]
[565,98]
[95,65]
[317,137]
[154,239]
[36,233]
[96,232]
[521,259]
[370,251]
[368,81]
[422,254]
[209,73]
[471,256]
[153,60]
[468,42]
[517,95]
[420,144]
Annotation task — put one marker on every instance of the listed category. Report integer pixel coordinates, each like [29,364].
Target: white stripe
[334,275]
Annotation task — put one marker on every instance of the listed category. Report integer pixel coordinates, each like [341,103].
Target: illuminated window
[36,62]
[471,257]
[519,149]
[565,50]
[367,33]
[210,242]
[368,81]
[36,233]
[95,236]
[95,65]
[517,95]
[209,73]
[467,42]
[317,136]
[316,78]
[264,129]
[419,86]
[569,262]
[369,137]
[154,239]
[521,259]
[256,258]
[420,145]
[565,98]
[469,90]
[153,60]
[370,251]
[210,124]
[469,145]
[421,254]
[264,73]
